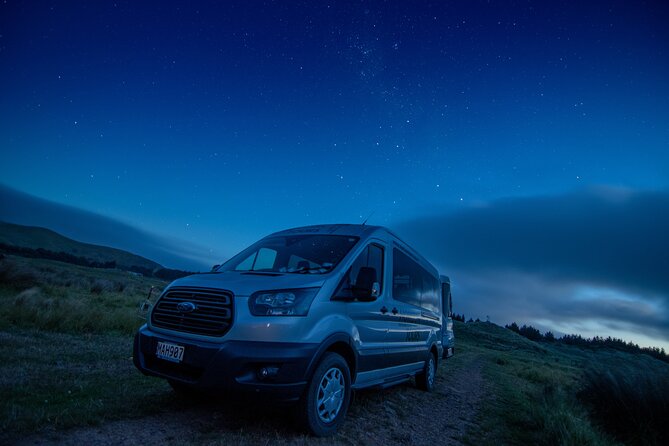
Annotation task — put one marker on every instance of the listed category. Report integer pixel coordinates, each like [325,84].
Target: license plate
[170,352]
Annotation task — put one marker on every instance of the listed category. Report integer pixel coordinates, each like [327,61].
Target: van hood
[245,284]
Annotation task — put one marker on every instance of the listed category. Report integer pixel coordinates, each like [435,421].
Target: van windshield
[298,254]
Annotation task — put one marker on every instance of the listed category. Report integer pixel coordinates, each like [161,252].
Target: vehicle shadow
[249,419]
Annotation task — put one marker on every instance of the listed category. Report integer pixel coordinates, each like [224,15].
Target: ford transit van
[304,315]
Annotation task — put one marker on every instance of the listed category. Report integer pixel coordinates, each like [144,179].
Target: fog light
[268,372]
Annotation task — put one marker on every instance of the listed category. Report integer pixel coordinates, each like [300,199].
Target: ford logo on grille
[186,307]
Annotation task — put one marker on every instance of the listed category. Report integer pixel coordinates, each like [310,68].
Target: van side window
[407,280]
[430,298]
[413,284]
[367,268]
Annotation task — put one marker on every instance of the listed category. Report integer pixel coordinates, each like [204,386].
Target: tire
[425,379]
[323,406]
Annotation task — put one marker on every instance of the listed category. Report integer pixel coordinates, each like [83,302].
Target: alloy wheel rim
[330,396]
[430,371]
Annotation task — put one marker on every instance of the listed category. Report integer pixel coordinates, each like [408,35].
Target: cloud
[602,235]
[601,253]
[20,208]
[511,295]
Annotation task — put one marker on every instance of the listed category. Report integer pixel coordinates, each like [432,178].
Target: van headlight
[295,302]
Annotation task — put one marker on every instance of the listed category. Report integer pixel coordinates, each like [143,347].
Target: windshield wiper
[262,273]
[311,269]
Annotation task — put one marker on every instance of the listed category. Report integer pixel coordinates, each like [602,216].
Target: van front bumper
[229,365]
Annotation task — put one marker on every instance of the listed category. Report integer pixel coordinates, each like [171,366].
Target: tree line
[534,334]
[61,256]
[461,318]
[166,274]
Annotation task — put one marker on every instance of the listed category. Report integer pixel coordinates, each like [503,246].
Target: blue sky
[215,123]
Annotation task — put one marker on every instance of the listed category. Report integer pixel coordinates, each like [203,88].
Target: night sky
[523,146]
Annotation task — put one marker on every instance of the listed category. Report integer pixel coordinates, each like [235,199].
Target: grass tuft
[632,403]
[563,421]
[56,296]
[16,276]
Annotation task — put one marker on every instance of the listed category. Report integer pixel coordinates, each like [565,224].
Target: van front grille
[210,313]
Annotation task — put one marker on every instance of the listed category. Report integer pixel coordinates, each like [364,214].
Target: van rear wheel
[425,379]
[324,404]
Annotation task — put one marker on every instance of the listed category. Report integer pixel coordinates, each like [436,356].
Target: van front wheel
[323,406]
[425,379]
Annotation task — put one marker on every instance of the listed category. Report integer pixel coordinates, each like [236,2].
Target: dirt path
[396,416]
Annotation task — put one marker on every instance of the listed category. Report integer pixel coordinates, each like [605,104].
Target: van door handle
[394,311]
[384,310]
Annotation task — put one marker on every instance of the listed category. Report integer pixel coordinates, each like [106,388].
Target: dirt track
[399,415]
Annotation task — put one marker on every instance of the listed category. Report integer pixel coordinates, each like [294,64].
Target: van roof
[334,229]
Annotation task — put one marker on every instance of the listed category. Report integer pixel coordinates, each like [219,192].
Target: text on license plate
[170,352]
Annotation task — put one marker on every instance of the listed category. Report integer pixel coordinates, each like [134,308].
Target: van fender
[433,341]
[342,338]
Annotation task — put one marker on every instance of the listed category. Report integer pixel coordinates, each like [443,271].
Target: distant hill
[79,224]
[41,238]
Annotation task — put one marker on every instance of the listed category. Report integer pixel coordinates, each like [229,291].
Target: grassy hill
[36,238]
[560,394]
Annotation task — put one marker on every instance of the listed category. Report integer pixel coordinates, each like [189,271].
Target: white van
[303,315]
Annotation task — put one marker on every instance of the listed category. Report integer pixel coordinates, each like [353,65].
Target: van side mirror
[365,289]
[215,267]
